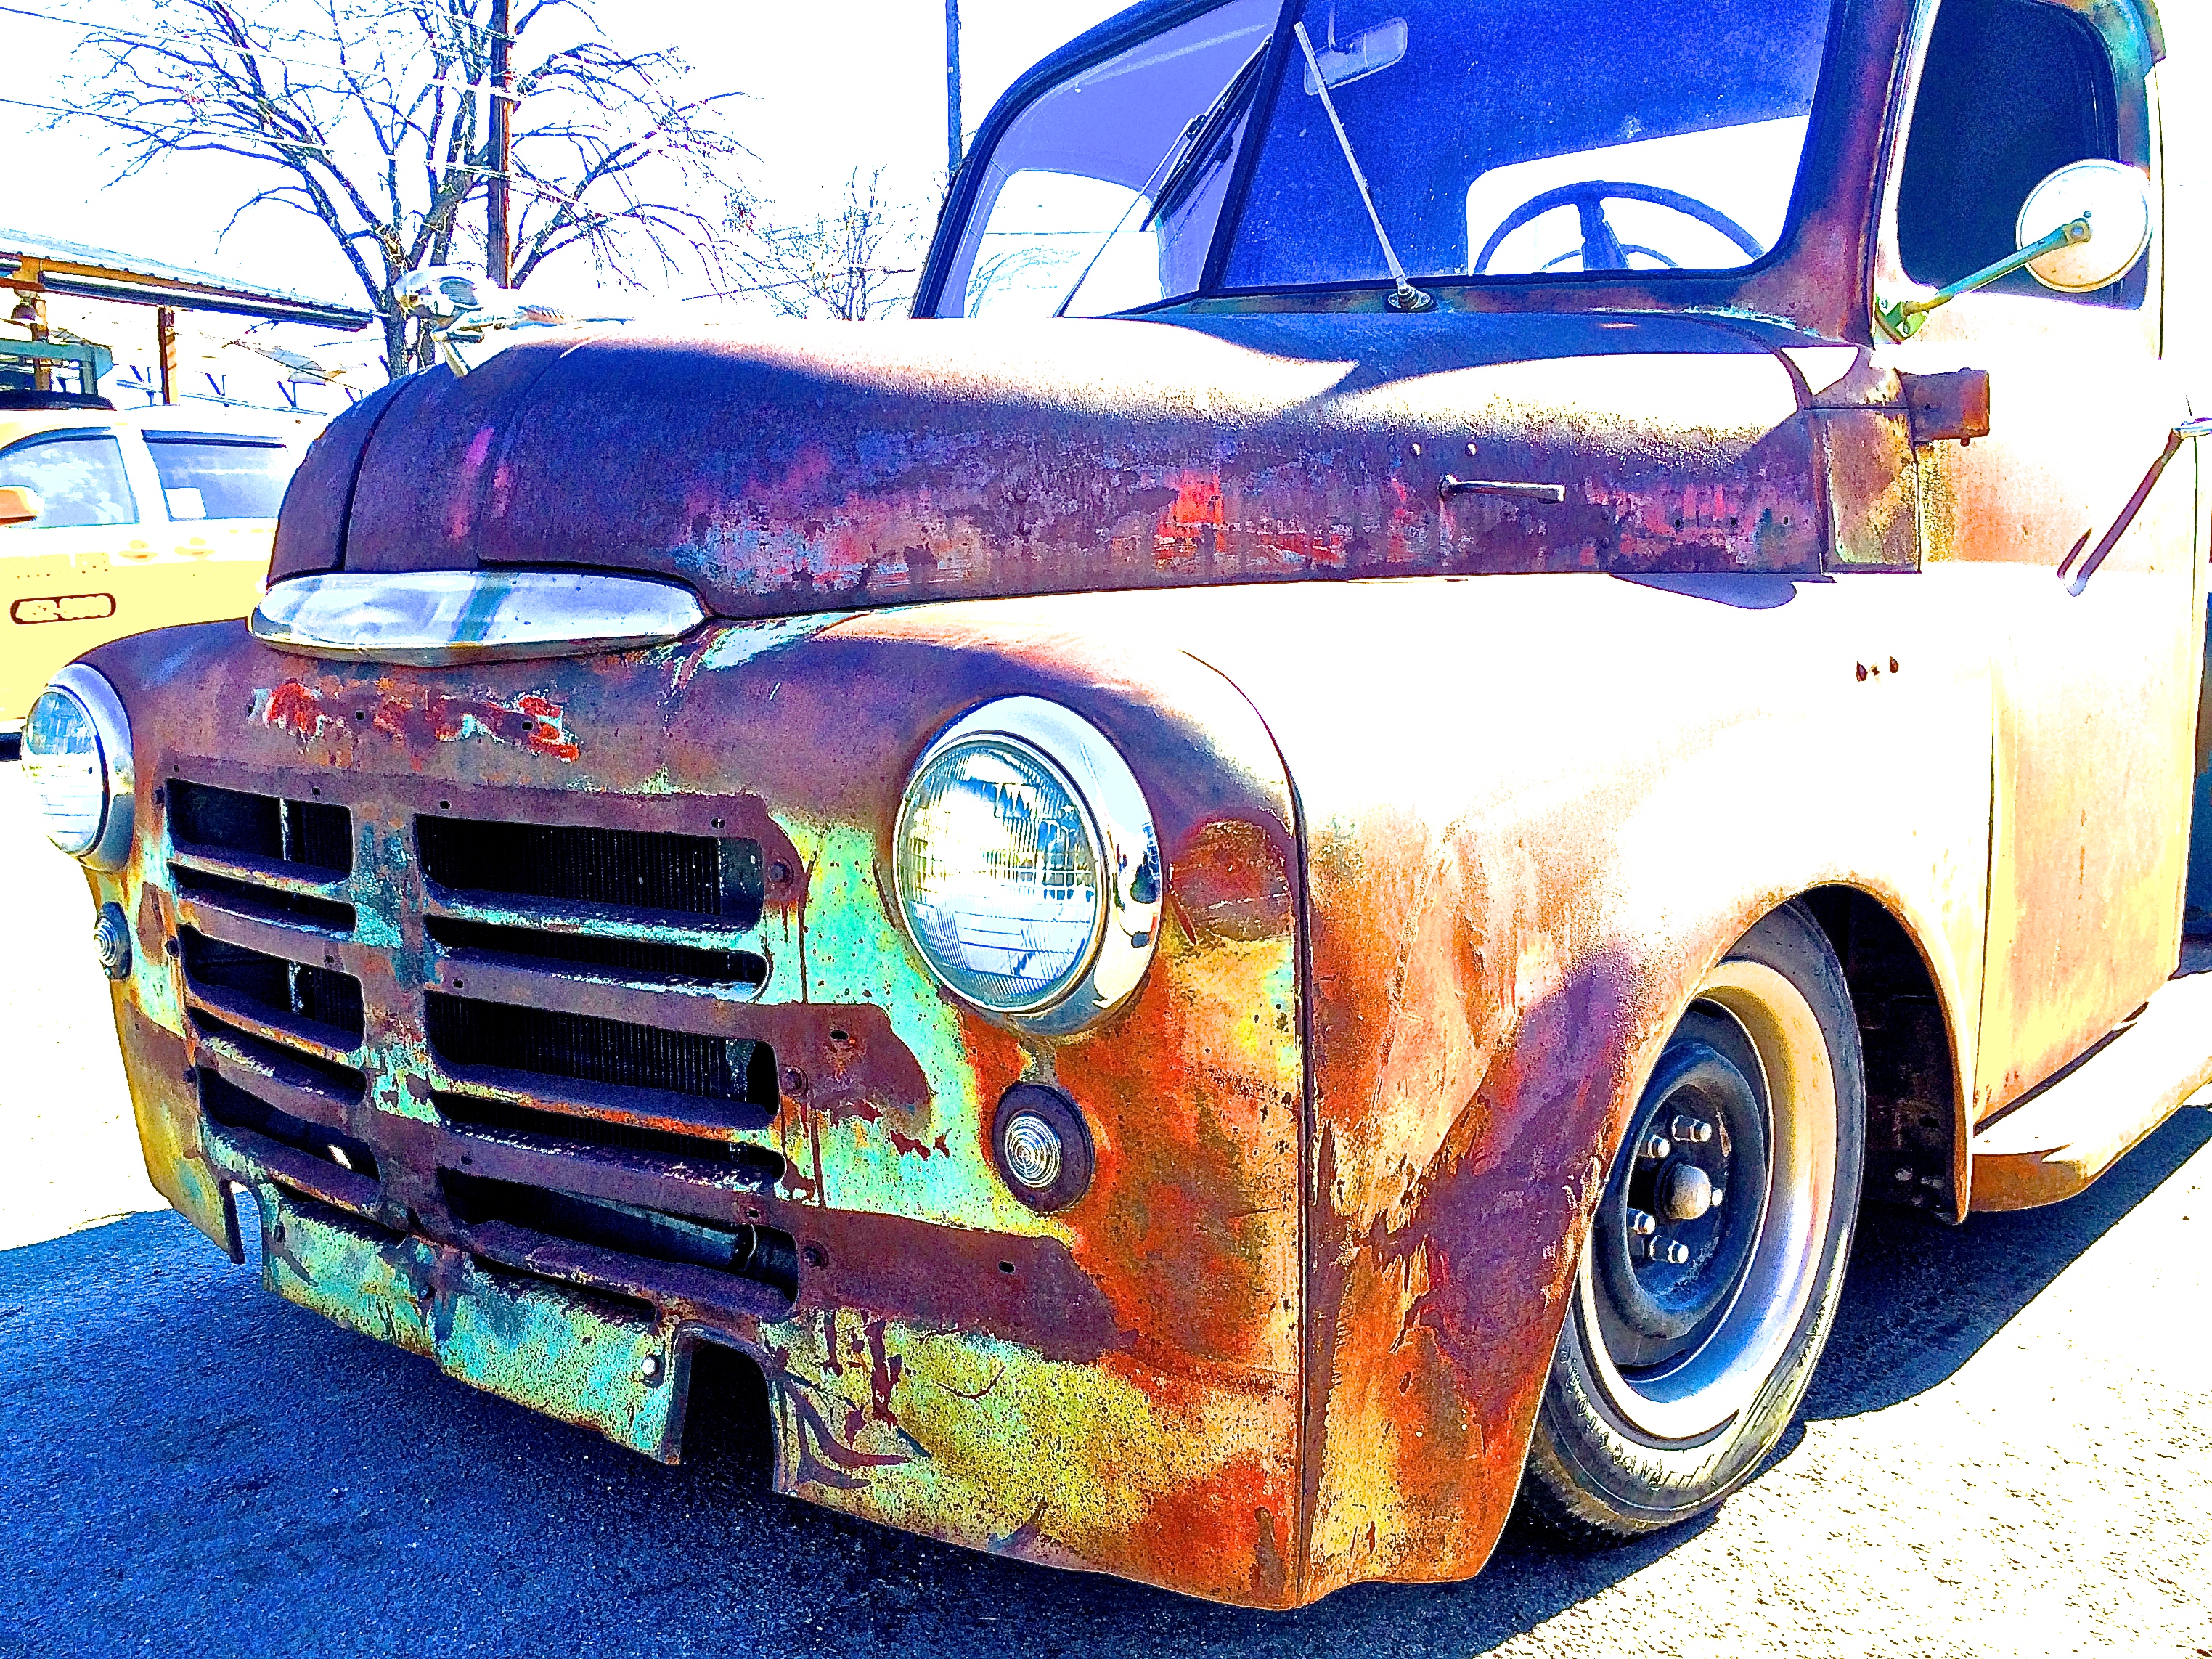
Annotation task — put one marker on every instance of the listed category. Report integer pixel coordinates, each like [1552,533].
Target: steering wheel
[1602,248]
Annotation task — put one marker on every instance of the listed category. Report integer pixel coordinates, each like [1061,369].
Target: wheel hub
[1680,1218]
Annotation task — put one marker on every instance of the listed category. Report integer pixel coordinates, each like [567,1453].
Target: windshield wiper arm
[1407,297]
[1202,143]
[1198,134]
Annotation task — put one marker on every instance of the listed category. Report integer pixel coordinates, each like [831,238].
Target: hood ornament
[462,308]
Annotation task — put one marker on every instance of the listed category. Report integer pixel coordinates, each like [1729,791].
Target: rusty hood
[816,467]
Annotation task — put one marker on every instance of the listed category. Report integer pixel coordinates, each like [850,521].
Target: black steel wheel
[1709,1281]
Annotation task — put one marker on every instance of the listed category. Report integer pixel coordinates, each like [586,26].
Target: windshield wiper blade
[1200,144]
[1406,297]
[1190,142]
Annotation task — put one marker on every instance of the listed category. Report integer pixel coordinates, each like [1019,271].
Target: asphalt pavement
[2008,1450]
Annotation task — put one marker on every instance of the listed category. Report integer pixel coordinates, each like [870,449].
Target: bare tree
[375,113]
[849,266]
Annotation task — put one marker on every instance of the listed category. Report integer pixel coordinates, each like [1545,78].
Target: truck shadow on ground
[187,1463]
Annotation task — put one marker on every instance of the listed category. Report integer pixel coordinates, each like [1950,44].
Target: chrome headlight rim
[110,847]
[1124,843]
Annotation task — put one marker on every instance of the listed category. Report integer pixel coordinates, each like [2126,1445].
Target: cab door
[2063,529]
[59,571]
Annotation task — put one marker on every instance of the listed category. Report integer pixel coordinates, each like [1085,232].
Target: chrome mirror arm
[1900,319]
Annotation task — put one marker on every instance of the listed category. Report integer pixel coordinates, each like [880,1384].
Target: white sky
[828,87]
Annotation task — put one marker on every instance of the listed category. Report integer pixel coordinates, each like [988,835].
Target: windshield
[1103,193]
[1499,137]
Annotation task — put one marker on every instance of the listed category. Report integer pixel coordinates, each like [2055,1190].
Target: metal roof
[48,264]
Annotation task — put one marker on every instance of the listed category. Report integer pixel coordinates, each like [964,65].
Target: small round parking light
[111,941]
[1033,1151]
[1041,1146]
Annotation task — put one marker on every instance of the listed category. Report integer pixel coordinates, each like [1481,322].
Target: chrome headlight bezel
[1124,844]
[110,846]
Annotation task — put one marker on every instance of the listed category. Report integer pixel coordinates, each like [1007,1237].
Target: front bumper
[427,963]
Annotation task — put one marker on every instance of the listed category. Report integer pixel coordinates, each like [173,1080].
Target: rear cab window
[209,475]
[78,476]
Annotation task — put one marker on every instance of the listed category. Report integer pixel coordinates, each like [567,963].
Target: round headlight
[1027,866]
[76,754]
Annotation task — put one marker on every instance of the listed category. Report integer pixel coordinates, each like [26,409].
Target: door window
[215,475]
[2011,91]
[77,477]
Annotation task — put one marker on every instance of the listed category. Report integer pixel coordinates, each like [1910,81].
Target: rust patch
[530,722]
[1230,882]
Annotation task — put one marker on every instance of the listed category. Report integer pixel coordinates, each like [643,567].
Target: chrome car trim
[111,723]
[431,618]
[1108,792]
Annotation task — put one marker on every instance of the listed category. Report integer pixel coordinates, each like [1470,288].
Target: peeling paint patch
[293,707]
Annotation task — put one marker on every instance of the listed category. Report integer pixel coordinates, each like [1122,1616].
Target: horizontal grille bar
[633,959]
[235,1109]
[298,1082]
[763,1255]
[713,1157]
[315,835]
[635,869]
[321,1006]
[737,1074]
[262,903]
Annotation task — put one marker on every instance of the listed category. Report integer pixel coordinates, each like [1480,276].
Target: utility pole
[165,350]
[951,87]
[498,249]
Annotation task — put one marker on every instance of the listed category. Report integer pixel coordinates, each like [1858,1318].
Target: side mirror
[19,506]
[2084,227]
[2114,199]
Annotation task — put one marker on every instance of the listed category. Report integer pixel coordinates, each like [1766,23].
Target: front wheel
[1717,1251]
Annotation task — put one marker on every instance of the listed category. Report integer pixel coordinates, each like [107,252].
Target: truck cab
[1281,875]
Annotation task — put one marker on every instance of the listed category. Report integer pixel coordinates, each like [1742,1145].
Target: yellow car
[112,522]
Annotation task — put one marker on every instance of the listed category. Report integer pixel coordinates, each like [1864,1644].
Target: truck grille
[492,1030]
[692,875]
[487,1036]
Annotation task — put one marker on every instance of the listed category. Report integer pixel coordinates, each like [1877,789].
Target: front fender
[1537,811]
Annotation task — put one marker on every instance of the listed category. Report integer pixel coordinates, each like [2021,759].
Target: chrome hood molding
[430,618]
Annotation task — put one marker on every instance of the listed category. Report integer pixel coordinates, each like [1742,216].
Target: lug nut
[1642,1224]
[1672,1251]
[1719,1193]
[1692,1131]
[1655,1147]
[649,1367]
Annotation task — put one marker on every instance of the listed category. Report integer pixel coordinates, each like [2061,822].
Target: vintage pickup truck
[1290,874]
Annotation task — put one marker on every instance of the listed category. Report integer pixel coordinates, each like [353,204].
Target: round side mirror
[2114,198]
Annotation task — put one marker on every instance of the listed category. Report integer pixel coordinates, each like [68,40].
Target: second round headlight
[61,757]
[76,756]
[1027,866]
